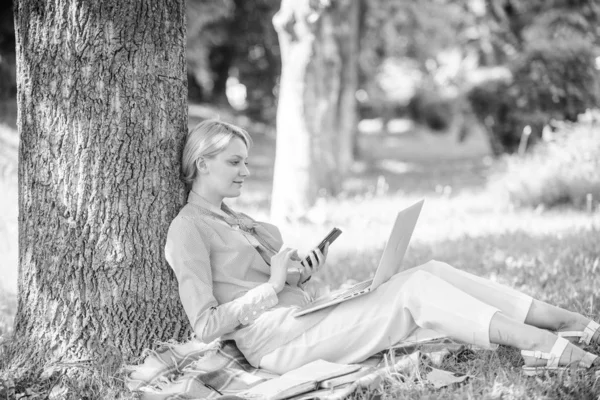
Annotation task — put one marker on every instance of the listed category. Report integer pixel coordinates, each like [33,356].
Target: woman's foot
[580,330]
[557,354]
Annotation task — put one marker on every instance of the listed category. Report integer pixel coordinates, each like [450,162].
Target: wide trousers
[433,297]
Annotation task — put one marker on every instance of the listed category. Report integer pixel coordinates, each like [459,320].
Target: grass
[553,254]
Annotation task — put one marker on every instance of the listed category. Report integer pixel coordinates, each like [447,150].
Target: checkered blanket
[196,370]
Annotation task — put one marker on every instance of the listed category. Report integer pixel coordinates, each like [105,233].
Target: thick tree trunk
[316,115]
[102,118]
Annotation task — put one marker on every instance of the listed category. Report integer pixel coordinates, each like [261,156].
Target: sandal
[584,336]
[553,359]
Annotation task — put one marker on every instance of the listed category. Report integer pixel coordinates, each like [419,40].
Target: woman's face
[225,173]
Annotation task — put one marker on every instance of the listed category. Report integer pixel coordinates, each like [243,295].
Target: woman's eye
[235,162]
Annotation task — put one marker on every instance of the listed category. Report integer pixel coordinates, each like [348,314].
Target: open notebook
[298,381]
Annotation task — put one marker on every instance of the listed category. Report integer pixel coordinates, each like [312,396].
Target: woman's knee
[437,268]
[417,290]
[418,281]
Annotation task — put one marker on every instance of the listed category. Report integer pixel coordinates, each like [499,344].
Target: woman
[234,283]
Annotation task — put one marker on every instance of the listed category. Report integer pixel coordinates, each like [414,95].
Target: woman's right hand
[280,263]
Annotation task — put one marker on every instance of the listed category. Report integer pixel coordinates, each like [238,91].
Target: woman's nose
[245,171]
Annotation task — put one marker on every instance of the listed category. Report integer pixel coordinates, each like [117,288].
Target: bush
[431,108]
[565,170]
[557,77]
[492,105]
[551,81]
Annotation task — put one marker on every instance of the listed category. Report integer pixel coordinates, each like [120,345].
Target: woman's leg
[510,301]
[505,330]
[356,329]
[548,316]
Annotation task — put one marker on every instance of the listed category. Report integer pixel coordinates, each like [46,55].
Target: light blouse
[223,277]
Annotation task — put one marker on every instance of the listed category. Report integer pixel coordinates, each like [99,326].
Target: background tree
[316,115]
[102,119]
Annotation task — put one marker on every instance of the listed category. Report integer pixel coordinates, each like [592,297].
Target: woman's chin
[234,194]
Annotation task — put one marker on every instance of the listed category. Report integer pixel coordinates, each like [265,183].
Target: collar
[200,201]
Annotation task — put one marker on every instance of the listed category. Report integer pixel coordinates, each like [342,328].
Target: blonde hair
[207,139]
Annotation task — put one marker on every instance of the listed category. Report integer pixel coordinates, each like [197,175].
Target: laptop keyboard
[338,294]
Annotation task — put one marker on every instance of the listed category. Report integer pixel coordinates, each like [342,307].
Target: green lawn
[553,255]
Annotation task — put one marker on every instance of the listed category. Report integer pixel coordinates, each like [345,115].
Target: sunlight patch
[370,125]
[400,125]
[397,167]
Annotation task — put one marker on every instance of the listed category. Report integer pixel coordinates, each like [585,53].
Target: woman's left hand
[317,260]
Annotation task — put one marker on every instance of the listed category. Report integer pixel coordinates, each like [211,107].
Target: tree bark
[102,117]
[316,115]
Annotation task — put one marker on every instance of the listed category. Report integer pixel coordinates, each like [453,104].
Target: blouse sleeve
[188,253]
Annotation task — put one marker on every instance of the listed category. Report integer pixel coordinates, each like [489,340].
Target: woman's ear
[201,165]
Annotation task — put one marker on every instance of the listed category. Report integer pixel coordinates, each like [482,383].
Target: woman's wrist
[276,286]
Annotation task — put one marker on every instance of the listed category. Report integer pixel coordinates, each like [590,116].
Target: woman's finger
[314,262]
[320,257]
[291,253]
[326,250]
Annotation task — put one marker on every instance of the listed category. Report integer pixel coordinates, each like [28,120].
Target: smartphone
[331,236]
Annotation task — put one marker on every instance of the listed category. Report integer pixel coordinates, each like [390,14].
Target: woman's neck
[201,191]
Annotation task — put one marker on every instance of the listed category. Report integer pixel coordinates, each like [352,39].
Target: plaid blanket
[195,370]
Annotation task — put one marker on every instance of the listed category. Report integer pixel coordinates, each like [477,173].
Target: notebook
[389,264]
[300,380]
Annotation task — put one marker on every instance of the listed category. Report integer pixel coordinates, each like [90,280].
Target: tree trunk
[316,115]
[102,118]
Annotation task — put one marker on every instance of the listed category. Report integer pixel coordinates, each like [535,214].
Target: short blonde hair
[207,139]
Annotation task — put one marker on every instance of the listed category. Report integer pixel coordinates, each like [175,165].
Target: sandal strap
[553,357]
[589,332]
[588,360]
[578,334]
[536,354]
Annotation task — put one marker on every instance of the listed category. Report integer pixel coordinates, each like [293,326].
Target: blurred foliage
[551,49]
[399,38]
[258,62]
[428,107]
[564,169]
[402,38]
[234,38]
[8,83]
[403,28]
[207,37]
[417,59]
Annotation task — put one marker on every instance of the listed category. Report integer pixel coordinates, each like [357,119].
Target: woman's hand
[280,263]
[317,260]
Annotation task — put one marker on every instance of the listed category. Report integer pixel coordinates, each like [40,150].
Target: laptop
[389,264]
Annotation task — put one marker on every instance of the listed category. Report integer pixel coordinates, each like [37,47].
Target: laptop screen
[397,244]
